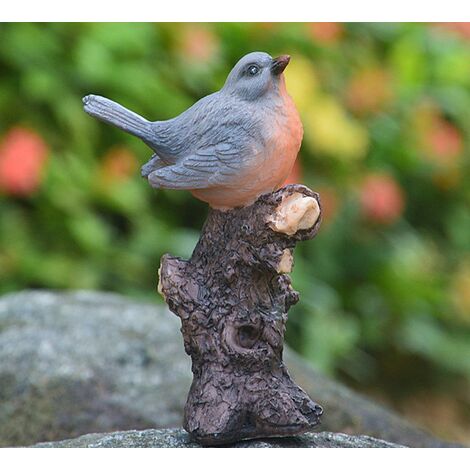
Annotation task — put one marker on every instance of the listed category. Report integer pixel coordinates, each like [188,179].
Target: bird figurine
[228,148]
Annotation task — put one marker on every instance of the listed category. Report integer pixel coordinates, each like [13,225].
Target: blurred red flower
[369,91]
[381,198]
[326,33]
[23,154]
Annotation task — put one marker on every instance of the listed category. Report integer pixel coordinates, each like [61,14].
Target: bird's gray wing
[153,164]
[209,166]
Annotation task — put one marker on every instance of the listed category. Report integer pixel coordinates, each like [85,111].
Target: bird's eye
[253,70]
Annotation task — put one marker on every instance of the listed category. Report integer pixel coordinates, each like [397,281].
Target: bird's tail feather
[113,113]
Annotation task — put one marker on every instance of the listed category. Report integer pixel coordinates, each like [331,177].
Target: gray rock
[87,362]
[175,438]
[81,362]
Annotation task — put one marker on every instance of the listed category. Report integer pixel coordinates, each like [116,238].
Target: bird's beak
[279,64]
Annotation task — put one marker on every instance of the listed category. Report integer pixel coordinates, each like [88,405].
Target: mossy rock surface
[89,362]
[177,438]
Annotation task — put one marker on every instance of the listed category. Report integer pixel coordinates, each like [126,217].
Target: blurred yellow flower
[302,82]
[329,130]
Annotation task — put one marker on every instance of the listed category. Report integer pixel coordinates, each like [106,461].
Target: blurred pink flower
[23,154]
[198,43]
[381,198]
[326,33]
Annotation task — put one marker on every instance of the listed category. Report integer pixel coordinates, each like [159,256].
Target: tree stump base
[232,297]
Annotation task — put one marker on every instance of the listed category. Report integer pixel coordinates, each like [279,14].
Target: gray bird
[229,147]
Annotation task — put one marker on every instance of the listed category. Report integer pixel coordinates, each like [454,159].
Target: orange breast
[270,169]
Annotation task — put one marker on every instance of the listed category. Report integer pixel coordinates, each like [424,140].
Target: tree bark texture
[232,297]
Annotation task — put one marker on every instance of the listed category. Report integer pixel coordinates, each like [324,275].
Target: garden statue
[234,149]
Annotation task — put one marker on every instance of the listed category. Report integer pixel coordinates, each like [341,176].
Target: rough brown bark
[232,297]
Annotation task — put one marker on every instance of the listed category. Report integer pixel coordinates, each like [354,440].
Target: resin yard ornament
[234,149]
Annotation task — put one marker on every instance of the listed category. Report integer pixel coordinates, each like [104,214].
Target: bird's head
[255,75]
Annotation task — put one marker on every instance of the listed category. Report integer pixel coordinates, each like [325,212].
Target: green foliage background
[385,296]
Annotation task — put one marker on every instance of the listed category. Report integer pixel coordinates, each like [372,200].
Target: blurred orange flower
[326,33]
[382,199]
[369,91]
[119,163]
[23,154]
[198,43]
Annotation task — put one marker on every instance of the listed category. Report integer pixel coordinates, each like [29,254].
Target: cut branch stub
[296,212]
[232,297]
